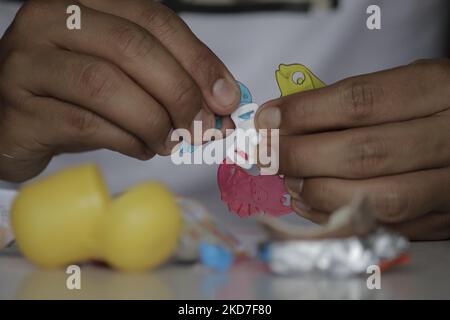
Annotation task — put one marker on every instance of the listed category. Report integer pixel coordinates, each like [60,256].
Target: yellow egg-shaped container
[55,219]
[141,228]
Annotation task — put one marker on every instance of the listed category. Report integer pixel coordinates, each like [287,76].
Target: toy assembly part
[200,227]
[243,152]
[215,256]
[244,193]
[247,195]
[296,78]
[246,98]
[70,218]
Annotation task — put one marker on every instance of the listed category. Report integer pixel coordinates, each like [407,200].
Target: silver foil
[337,257]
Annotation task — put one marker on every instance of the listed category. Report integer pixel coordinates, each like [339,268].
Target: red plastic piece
[247,195]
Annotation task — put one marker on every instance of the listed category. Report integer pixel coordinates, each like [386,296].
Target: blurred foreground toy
[350,243]
[70,217]
[247,194]
[215,256]
[204,239]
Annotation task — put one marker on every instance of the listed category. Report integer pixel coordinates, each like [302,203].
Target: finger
[394,198]
[101,88]
[399,94]
[430,227]
[69,128]
[142,57]
[370,151]
[294,186]
[217,85]
[20,161]
[312,215]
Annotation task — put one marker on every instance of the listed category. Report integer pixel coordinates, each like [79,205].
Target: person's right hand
[132,73]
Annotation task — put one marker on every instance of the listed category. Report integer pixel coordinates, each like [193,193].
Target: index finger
[218,87]
[394,95]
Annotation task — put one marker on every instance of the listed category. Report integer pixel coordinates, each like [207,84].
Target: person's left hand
[385,134]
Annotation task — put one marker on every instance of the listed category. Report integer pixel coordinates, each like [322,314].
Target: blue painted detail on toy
[187,148]
[219,122]
[246,96]
[216,257]
[247,116]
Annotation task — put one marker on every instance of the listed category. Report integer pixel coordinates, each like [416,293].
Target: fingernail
[294,186]
[268,118]
[300,205]
[225,92]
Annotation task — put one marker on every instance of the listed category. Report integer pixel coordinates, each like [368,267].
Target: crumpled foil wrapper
[337,257]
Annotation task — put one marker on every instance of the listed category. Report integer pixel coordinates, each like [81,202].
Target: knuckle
[158,125]
[358,99]
[97,80]
[185,94]
[35,10]
[133,144]
[392,205]
[323,195]
[159,19]
[368,155]
[81,124]
[290,159]
[203,65]
[440,68]
[297,108]
[131,42]
[436,69]
[10,64]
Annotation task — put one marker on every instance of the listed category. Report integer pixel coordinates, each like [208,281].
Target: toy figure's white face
[244,116]
[243,153]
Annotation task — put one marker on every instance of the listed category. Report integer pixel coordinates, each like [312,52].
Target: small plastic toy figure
[244,193]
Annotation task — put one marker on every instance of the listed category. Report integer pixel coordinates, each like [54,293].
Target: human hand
[131,74]
[385,134]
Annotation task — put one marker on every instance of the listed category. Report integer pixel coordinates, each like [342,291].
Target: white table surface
[426,278]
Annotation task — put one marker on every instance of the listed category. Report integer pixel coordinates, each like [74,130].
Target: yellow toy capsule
[54,219]
[69,218]
[141,228]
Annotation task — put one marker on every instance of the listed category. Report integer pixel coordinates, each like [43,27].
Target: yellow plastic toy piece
[70,218]
[296,78]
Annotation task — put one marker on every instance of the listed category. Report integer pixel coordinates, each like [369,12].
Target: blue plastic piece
[219,122]
[246,96]
[264,253]
[216,257]
[188,148]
